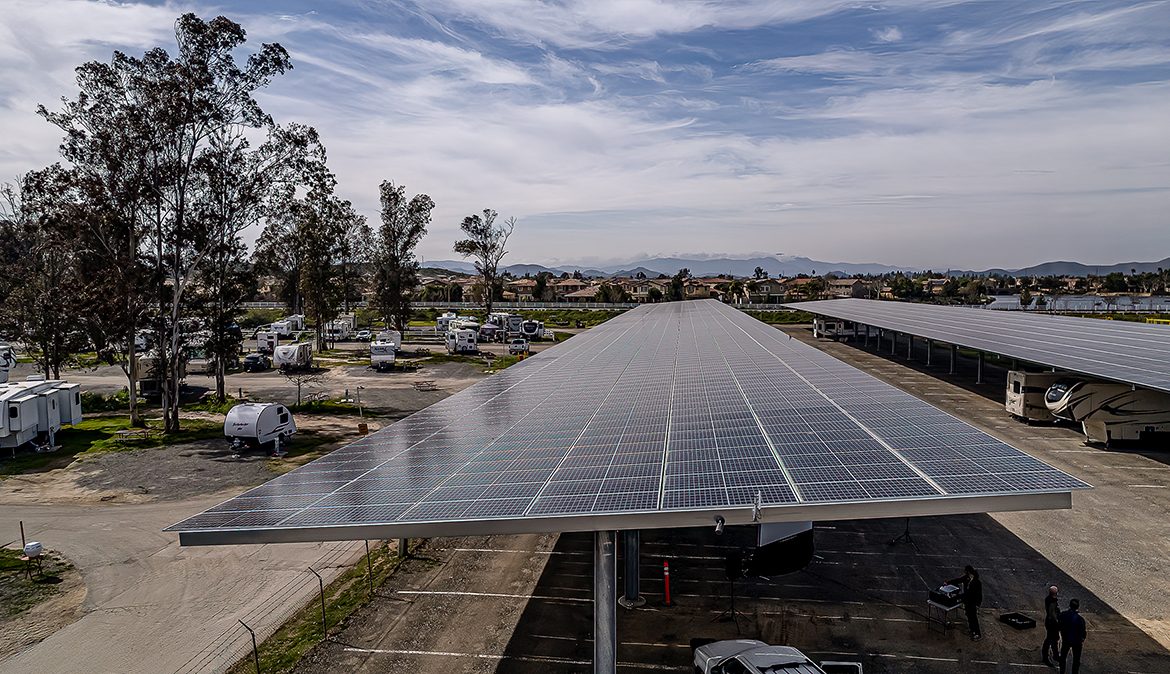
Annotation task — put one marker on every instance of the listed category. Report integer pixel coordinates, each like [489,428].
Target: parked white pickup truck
[748,656]
[517,347]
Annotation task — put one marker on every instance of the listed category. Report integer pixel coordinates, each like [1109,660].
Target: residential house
[848,287]
[569,285]
[521,288]
[588,294]
[766,291]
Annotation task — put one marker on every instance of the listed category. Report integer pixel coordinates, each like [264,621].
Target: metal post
[403,547]
[929,351]
[893,342]
[909,347]
[979,368]
[255,651]
[604,606]
[324,622]
[369,568]
[867,336]
[954,356]
[631,550]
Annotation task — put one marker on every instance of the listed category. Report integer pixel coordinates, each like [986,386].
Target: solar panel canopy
[664,416]
[1131,353]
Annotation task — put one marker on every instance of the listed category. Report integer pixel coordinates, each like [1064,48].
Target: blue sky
[934,133]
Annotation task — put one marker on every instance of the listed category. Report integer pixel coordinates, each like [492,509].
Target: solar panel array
[1132,353]
[689,406]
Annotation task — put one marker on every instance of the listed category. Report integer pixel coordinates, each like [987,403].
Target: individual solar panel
[658,417]
[1132,353]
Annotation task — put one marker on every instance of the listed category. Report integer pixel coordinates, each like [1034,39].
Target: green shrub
[254,318]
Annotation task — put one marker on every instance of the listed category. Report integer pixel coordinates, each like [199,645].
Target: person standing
[972,598]
[1051,626]
[1072,636]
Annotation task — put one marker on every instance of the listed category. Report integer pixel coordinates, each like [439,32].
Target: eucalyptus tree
[404,223]
[166,146]
[486,243]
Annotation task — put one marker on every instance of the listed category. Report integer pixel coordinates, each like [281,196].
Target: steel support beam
[954,357]
[929,352]
[632,576]
[604,604]
[979,368]
[909,347]
[893,342]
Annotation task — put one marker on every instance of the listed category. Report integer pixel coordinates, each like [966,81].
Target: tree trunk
[220,383]
[132,384]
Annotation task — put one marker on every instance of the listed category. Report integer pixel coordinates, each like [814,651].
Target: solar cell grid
[675,408]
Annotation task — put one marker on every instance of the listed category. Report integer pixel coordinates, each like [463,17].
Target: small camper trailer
[389,336]
[337,331]
[462,341]
[267,341]
[297,356]
[258,426]
[443,323]
[1024,398]
[7,361]
[383,355]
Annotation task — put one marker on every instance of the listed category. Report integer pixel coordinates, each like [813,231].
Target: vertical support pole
[369,569]
[909,347]
[631,552]
[929,352]
[403,547]
[324,622]
[23,542]
[255,651]
[666,582]
[954,356]
[979,368]
[893,342]
[867,335]
[604,606]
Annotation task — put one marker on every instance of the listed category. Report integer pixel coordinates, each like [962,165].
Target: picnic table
[133,434]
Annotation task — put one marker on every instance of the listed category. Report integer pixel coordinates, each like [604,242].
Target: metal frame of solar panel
[1123,351]
[657,418]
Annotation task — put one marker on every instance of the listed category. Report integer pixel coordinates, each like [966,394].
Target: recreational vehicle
[1024,398]
[383,355]
[296,322]
[258,425]
[509,323]
[150,372]
[267,341]
[461,341]
[1109,411]
[7,361]
[488,332]
[391,336]
[297,356]
[532,329]
[337,331]
[443,323]
[831,328]
[34,410]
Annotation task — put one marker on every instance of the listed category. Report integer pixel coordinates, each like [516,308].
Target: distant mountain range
[787,266]
[791,266]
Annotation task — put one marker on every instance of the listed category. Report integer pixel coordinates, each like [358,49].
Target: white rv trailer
[267,341]
[509,323]
[258,425]
[383,355]
[443,322]
[392,336]
[150,371]
[532,329]
[831,328]
[297,356]
[1109,411]
[337,331]
[296,322]
[282,328]
[1024,398]
[7,361]
[461,341]
[35,410]
[488,332]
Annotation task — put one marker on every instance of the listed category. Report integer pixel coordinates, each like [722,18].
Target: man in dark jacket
[972,598]
[1072,634]
[1051,626]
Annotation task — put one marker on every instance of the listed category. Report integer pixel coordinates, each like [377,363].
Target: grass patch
[282,651]
[210,404]
[100,434]
[17,592]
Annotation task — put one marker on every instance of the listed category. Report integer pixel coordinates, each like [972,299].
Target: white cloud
[887,34]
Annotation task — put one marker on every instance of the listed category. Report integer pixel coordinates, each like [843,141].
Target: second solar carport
[666,416]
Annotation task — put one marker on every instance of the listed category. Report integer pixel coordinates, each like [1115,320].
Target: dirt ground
[61,607]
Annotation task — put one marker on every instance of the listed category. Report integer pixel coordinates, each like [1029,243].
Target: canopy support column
[632,554]
[909,347]
[604,606]
[979,368]
[954,356]
[929,352]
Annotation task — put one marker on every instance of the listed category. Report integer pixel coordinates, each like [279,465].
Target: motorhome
[267,341]
[464,323]
[35,409]
[383,355]
[831,328]
[258,426]
[297,356]
[1024,398]
[462,341]
[295,321]
[337,331]
[1108,411]
[391,336]
[150,371]
[532,329]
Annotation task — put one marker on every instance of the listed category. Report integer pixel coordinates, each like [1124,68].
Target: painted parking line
[1146,486]
[547,659]
[589,640]
[573,554]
